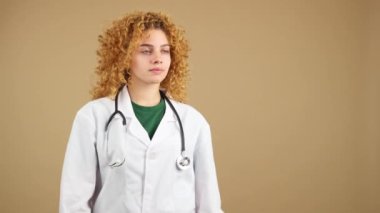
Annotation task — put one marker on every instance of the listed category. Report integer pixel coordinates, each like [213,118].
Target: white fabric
[144,177]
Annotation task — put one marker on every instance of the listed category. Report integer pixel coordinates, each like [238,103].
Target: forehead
[154,36]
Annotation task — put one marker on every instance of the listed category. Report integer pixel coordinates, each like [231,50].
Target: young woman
[137,147]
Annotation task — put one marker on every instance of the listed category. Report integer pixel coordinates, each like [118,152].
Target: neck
[145,95]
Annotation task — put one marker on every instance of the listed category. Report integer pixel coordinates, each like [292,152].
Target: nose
[156,58]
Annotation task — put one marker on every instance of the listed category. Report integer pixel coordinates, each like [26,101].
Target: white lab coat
[147,181]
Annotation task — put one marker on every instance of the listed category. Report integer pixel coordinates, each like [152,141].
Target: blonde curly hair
[118,43]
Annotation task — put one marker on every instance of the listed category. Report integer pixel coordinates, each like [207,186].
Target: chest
[131,144]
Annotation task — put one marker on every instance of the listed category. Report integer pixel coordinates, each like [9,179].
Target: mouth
[156,69]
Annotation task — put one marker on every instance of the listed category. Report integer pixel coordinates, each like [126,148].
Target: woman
[126,151]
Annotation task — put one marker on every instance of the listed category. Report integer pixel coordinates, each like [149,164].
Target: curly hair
[118,43]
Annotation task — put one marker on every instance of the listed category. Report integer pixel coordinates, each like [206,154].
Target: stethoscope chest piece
[183,162]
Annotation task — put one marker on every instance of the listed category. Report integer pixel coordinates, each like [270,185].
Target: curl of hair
[118,43]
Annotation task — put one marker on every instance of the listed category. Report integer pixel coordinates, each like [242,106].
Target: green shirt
[150,116]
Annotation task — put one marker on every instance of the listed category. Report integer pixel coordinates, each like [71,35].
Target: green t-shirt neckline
[150,116]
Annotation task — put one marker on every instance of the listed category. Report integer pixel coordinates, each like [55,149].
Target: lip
[156,69]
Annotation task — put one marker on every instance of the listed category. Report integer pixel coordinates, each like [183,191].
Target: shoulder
[94,108]
[187,112]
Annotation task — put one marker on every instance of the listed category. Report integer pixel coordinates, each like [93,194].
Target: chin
[158,79]
[155,81]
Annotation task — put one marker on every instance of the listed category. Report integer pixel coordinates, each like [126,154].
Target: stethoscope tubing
[117,111]
[183,148]
[183,162]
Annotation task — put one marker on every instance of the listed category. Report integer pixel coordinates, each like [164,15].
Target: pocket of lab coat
[115,139]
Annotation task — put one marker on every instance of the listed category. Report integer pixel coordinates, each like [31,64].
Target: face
[151,59]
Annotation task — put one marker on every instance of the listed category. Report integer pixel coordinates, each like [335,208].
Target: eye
[146,52]
[165,51]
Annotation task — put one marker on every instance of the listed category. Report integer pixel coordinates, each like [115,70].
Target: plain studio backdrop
[291,89]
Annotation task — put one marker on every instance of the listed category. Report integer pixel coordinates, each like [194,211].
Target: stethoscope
[182,162]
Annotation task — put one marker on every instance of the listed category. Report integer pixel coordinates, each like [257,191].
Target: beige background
[291,90]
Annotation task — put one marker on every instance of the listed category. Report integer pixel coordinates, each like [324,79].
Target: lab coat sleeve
[206,184]
[79,168]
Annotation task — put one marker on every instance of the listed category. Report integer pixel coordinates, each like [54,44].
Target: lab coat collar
[135,127]
[127,109]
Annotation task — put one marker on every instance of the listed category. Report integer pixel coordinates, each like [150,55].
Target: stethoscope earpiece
[118,163]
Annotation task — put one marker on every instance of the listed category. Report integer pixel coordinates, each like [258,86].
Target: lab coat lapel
[167,127]
[133,125]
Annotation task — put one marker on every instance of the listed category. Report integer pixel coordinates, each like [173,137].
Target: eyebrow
[149,45]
